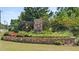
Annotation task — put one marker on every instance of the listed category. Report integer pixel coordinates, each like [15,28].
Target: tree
[71,12]
[14,25]
[31,13]
[69,17]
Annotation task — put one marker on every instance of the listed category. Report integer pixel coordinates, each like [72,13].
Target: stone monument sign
[38,25]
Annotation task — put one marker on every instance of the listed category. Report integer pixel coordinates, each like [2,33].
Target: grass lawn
[14,46]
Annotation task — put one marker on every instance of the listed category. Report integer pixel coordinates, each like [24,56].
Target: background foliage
[64,19]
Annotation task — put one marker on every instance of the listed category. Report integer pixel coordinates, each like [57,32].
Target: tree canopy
[31,13]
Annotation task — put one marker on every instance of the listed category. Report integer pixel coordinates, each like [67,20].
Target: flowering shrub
[10,34]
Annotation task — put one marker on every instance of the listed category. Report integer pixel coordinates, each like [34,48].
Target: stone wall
[44,40]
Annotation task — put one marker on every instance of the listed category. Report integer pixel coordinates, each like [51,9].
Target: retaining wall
[44,40]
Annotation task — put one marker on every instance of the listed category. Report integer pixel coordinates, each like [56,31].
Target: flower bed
[44,40]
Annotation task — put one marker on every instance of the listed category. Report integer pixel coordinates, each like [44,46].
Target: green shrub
[75,30]
[22,34]
[27,35]
[2,38]
[14,29]
[58,42]
[77,43]
[57,26]
[6,34]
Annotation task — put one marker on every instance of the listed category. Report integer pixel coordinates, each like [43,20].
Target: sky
[8,13]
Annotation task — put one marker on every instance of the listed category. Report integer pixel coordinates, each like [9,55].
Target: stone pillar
[38,25]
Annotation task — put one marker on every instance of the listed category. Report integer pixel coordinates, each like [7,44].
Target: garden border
[43,40]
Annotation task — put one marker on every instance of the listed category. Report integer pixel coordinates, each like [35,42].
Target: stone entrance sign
[38,25]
